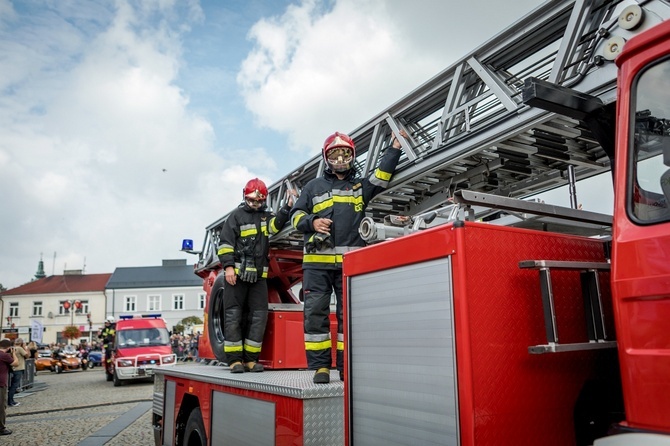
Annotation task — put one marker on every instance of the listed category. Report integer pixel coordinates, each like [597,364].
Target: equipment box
[449,313]
[283,344]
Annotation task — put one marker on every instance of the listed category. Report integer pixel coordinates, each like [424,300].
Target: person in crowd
[243,251]
[21,351]
[32,348]
[328,213]
[8,360]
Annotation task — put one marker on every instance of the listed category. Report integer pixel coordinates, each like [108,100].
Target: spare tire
[215,317]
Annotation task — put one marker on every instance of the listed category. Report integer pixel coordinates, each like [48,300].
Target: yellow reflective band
[296,218]
[265,275]
[347,199]
[232,348]
[322,258]
[225,250]
[323,205]
[383,175]
[323,345]
[248,232]
[251,349]
[340,345]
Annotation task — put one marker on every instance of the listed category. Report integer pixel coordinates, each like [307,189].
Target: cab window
[649,188]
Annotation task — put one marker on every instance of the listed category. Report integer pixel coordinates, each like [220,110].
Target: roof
[69,283]
[154,277]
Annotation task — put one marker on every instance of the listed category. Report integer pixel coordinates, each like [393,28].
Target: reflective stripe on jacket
[246,228]
[344,202]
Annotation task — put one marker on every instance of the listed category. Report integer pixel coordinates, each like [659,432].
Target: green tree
[191,320]
[2,288]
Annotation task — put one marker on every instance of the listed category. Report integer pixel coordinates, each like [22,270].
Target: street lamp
[90,329]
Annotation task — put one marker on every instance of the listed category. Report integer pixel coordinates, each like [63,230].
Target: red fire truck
[479,315]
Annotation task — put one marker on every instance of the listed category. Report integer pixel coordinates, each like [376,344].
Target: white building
[52,303]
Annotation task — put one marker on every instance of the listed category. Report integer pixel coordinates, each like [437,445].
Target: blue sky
[128,125]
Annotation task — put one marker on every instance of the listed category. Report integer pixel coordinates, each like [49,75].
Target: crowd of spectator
[185,346]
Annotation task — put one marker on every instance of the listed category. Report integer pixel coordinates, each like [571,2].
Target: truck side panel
[504,395]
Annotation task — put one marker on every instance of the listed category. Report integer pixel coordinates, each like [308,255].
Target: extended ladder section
[469,128]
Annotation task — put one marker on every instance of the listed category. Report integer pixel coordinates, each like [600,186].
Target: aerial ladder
[469,129]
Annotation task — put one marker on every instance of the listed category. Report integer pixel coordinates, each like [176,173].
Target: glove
[318,242]
[248,272]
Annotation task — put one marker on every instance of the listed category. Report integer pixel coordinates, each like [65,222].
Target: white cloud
[104,159]
[314,70]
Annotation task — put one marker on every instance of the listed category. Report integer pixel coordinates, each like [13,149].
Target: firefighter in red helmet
[243,252]
[328,213]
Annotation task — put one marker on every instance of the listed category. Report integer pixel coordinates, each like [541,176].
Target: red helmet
[339,152]
[255,193]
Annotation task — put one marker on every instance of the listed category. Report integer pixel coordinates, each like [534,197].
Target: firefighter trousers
[318,287]
[245,314]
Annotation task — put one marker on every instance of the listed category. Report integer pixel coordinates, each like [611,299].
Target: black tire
[117,381]
[215,317]
[195,434]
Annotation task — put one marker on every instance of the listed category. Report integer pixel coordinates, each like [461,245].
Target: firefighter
[107,335]
[243,252]
[328,213]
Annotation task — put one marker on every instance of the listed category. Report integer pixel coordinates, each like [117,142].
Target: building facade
[172,289]
[41,309]
[49,304]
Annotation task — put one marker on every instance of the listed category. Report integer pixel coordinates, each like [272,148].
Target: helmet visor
[340,158]
[254,203]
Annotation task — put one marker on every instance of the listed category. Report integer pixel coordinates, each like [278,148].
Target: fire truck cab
[141,344]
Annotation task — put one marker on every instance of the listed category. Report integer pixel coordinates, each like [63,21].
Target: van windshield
[142,337]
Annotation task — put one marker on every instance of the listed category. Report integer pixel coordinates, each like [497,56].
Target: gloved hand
[319,242]
[248,272]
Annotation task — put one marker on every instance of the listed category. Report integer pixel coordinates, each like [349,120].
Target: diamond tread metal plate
[291,383]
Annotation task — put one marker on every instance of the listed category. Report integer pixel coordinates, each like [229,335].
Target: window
[649,188]
[83,309]
[178,302]
[130,303]
[37,308]
[154,302]
[61,307]
[13,309]
[201,301]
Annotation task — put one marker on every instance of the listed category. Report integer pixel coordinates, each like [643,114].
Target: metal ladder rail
[593,310]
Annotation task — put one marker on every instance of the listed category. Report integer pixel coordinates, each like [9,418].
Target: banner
[36,330]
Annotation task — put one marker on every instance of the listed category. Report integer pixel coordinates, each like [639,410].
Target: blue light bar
[126,316]
[153,315]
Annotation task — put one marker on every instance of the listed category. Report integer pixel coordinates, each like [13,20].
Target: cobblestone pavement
[71,407]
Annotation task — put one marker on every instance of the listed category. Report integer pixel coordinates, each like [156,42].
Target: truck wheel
[195,434]
[117,381]
[215,319]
